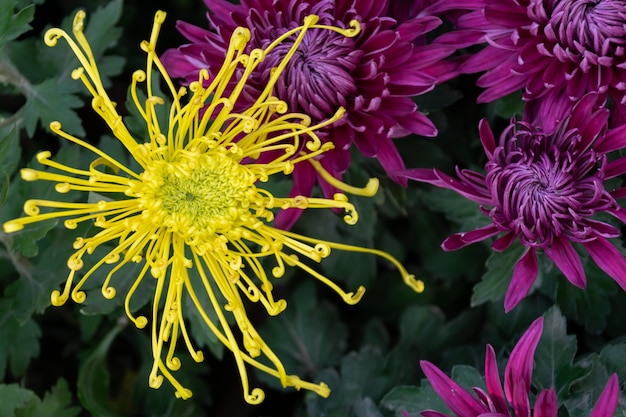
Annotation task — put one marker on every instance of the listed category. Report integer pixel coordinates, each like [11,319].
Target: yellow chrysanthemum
[196,201]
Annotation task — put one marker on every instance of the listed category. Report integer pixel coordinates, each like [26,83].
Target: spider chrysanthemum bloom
[545,189]
[555,50]
[372,75]
[196,201]
[514,399]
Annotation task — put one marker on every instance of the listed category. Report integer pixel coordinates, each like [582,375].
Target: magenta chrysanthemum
[555,50]
[515,397]
[371,75]
[544,188]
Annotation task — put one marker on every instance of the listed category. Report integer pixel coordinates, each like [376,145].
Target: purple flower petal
[456,398]
[486,137]
[192,32]
[607,403]
[481,61]
[583,110]
[503,243]
[501,87]
[518,372]
[546,404]
[619,212]
[614,140]
[433,413]
[609,259]
[547,112]
[461,38]
[419,124]
[594,127]
[506,15]
[524,275]
[567,260]
[391,160]
[615,168]
[438,178]
[445,5]
[492,378]
[459,240]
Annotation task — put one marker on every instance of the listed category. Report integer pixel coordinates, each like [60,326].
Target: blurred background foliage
[81,360]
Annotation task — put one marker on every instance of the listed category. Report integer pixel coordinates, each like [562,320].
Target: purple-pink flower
[372,75]
[545,188]
[554,50]
[514,399]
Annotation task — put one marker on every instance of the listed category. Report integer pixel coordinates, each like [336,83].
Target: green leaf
[100,28]
[198,329]
[363,373]
[56,403]
[508,106]
[419,324]
[353,268]
[555,354]
[94,378]
[12,398]
[13,25]
[52,101]
[413,399]
[613,357]
[307,336]
[366,408]
[586,391]
[89,324]
[19,340]
[591,305]
[9,151]
[468,377]
[455,207]
[25,241]
[163,402]
[498,276]
[31,292]
[361,377]
[4,187]
[101,34]
[375,334]
[24,3]
[121,280]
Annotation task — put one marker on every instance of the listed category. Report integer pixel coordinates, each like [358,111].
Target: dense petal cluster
[191,208]
[553,50]
[545,188]
[514,400]
[371,75]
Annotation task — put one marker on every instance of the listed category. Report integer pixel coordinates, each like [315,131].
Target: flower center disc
[547,187]
[321,68]
[198,195]
[597,27]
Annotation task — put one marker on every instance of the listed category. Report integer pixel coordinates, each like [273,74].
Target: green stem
[9,74]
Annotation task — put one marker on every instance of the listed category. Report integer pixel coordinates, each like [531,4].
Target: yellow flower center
[200,194]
